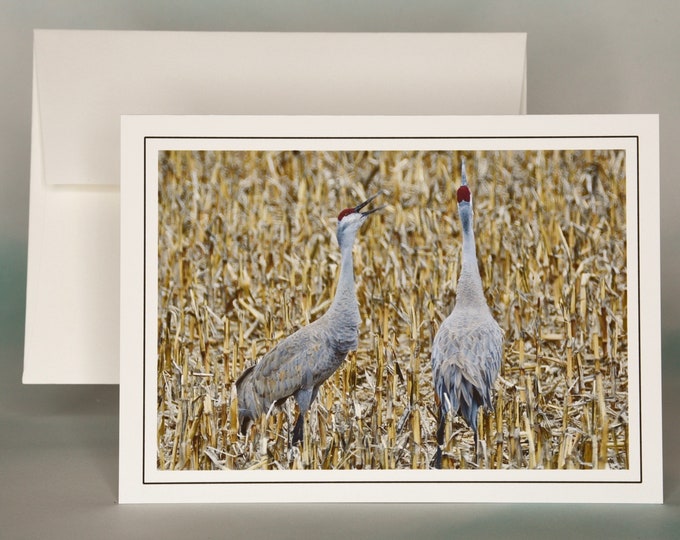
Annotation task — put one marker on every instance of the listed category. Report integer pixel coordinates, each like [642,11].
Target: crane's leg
[298,430]
[304,398]
[475,432]
[243,427]
[441,428]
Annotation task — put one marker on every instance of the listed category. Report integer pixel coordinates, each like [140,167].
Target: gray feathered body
[466,359]
[468,347]
[299,364]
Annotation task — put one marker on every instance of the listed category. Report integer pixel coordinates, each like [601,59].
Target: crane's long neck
[343,317]
[345,300]
[469,291]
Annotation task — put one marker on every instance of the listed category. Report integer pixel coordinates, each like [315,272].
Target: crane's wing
[288,367]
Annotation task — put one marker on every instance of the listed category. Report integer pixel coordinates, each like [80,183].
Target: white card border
[142,134]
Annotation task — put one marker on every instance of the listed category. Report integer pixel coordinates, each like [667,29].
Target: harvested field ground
[247,255]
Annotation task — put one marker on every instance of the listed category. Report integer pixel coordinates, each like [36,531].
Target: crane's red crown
[463,194]
[345,212]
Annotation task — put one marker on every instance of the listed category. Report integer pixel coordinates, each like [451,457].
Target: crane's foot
[437,460]
[294,456]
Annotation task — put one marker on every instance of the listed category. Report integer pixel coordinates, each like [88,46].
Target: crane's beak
[463,173]
[369,212]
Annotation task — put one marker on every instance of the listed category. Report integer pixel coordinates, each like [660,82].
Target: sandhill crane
[299,364]
[467,350]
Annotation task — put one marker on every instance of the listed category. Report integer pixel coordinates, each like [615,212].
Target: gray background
[58,445]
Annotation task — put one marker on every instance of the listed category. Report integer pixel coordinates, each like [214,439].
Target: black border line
[144,324]
[455,138]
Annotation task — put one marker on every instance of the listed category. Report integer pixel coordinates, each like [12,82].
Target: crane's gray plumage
[299,364]
[468,347]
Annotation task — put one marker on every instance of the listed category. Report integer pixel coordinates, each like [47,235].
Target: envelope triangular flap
[87,79]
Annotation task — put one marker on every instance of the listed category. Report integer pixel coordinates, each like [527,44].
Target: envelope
[84,80]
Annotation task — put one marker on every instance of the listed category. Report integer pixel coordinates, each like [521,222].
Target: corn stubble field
[247,255]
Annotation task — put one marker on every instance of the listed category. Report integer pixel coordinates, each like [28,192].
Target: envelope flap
[87,79]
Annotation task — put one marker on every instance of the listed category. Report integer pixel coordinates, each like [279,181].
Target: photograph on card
[392,309]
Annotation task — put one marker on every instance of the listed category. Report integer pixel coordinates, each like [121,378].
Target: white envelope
[84,80]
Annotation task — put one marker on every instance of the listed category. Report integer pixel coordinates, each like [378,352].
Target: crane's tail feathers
[271,408]
[242,378]
[446,402]
[247,408]
[461,397]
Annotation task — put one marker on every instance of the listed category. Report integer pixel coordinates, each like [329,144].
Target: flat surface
[58,445]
